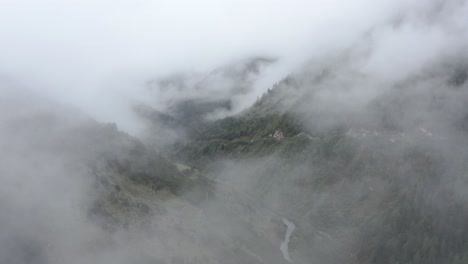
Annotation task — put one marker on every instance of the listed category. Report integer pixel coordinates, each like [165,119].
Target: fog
[98,98]
[79,51]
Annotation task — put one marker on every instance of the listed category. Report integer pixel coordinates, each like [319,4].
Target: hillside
[384,187]
[380,180]
[234,132]
[63,172]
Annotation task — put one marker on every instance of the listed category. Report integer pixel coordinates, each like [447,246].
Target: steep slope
[382,184]
[131,180]
[186,102]
[380,180]
[69,184]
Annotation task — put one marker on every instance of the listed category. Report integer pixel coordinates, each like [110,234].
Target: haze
[98,55]
[226,131]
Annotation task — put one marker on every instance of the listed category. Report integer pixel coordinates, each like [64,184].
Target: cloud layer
[98,55]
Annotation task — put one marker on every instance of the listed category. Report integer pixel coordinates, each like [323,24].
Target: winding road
[285,244]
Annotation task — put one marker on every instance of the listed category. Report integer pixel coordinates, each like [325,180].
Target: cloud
[98,55]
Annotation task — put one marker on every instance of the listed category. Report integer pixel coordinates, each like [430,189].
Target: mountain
[194,99]
[69,181]
[323,168]
[378,184]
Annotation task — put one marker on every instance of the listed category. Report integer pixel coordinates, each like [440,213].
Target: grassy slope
[133,181]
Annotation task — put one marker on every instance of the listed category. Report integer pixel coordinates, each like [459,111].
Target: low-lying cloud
[385,69]
[99,55]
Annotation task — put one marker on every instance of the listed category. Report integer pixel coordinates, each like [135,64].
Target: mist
[233,131]
[77,52]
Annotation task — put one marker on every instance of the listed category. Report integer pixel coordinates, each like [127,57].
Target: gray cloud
[97,55]
[355,64]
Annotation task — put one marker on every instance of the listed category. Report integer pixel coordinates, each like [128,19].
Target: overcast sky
[97,54]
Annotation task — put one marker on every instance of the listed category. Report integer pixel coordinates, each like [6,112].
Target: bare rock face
[278,136]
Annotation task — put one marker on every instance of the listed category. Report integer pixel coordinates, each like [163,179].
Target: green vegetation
[133,181]
[388,196]
[373,199]
[243,128]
